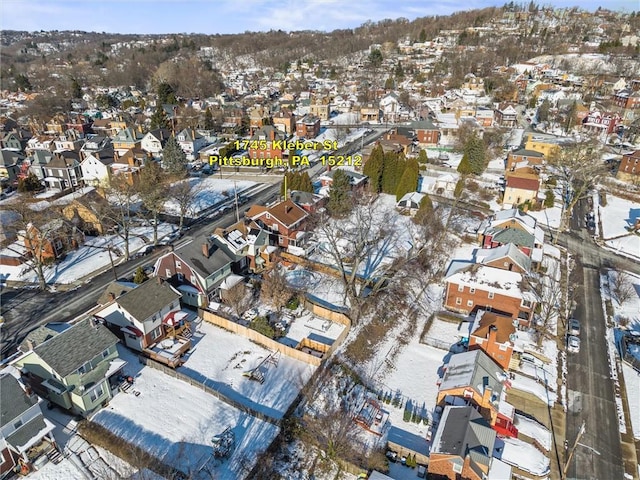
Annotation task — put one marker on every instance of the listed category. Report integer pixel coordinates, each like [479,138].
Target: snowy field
[176,421]
[618,216]
[323,286]
[549,217]
[310,325]
[91,256]
[525,456]
[210,191]
[221,357]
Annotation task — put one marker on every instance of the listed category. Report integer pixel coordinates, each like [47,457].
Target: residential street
[590,388]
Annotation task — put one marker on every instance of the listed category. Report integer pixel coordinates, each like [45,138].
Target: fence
[257,337]
[212,391]
[631,360]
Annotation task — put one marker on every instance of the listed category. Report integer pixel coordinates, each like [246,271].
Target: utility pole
[573,449]
[235,190]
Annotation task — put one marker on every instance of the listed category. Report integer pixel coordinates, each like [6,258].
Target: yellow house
[548,146]
[84,213]
[522,186]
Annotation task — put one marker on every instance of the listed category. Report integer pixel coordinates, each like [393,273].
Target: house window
[472,290]
[458,301]
[274,227]
[457,468]
[469,303]
[180,277]
[461,288]
[526,303]
[58,245]
[84,368]
[168,273]
[17,424]
[178,264]
[193,279]
[155,333]
[503,346]
[491,294]
[96,393]
[105,354]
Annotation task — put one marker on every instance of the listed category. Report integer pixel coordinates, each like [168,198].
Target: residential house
[285,121]
[197,269]
[285,221]
[95,168]
[63,171]
[153,142]
[39,160]
[513,226]
[320,110]
[505,115]
[506,257]
[77,369]
[266,142]
[524,157]
[84,213]
[96,144]
[39,142]
[601,124]
[68,140]
[410,202]
[521,187]
[427,133]
[444,184]
[79,123]
[473,83]
[473,378]
[16,140]
[246,240]
[257,115]
[10,165]
[310,202]
[52,240]
[25,435]
[629,169]
[358,181]
[190,142]
[129,164]
[464,446]
[140,317]
[484,116]
[545,144]
[126,139]
[495,335]
[308,127]
[370,113]
[472,286]
[627,99]
[114,290]
[390,107]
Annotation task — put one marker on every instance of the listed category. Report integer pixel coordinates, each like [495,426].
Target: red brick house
[52,240]
[494,334]
[601,123]
[266,142]
[426,132]
[629,169]
[285,121]
[513,226]
[627,98]
[471,287]
[506,257]
[308,127]
[285,221]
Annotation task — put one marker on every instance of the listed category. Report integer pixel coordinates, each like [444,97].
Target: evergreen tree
[392,172]
[375,58]
[159,118]
[76,89]
[457,192]
[476,152]
[424,211]
[423,36]
[340,195]
[464,167]
[140,276]
[166,93]
[409,180]
[174,160]
[374,167]
[399,72]
[208,120]
[22,82]
[549,199]
[305,183]
[423,159]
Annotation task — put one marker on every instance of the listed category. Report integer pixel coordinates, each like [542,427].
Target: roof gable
[13,399]
[148,298]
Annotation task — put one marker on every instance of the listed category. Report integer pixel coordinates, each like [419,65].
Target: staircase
[55,456]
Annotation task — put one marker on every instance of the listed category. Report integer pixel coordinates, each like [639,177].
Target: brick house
[506,257]
[495,335]
[524,157]
[286,222]
[627,98]
[506,115]
[513,226]
[427,133]
[285,121]
[51,240]
[266,143]
[308,126]
[629,169]
[463,447]
[471,286]
[320,110]
[601,123]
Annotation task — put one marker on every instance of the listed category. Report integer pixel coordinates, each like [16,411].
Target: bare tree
[184,193]
[238,298]
[152,193]
[122,199]
[577,167]
[274,289]
[620,286]
[549,299]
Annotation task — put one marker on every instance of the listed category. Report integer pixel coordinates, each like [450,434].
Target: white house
[95,169]
[191,142]
[390,106]
[153,142]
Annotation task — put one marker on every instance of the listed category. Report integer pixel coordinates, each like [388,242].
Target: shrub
[603,199]
[261,325]
[293,303]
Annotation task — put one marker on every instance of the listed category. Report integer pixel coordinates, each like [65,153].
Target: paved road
[589,383]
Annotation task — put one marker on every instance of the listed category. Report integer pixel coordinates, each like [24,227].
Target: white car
[573,344]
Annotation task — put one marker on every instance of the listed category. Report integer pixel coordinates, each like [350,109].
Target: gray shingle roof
[13,399]
[192,255]
[74,347]
[148,298]
[26,432]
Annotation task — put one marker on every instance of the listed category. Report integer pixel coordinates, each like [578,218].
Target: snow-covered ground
[221,357]
[525,456]
[210,191]
[308,324]
[91,256]
[632,384]
[617,217]
[549,217]
[533,430]
[176,421]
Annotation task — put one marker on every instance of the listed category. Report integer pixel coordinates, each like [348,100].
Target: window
[17,424]
[96,393]
[461,288]
[155,333]
[168,273]
[457,468]
[469,303]
[105,354]
[472,290]
[193,279]
[84,368]
[178,264]
[491,294]
[503,346]
[180,277]
[526,303]
[458,301]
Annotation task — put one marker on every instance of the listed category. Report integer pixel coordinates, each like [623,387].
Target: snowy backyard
[176,421]
[209,192]
[220,358]
[617,217]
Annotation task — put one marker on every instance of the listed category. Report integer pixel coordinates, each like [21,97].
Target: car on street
[573,344]
[573,327]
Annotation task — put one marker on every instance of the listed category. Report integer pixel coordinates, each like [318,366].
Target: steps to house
[55,456]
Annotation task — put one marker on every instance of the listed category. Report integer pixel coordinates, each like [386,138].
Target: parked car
[573,327]
[573,344]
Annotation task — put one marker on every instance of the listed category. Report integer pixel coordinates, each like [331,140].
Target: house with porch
[523,158]
[464,446]
[78,369]
[285,222]
[63,171]
[191,142]
[25,435]
[154,141]
[10,165]
[506,115]
[95,168]
[521,187]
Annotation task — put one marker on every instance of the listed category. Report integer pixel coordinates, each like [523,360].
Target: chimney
[287,208]
[112,296]
[93,322]
[31,344]
[493,332]
[205,250]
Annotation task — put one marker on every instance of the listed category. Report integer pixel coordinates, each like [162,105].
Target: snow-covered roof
[489,279]
[474,369]
[510,250]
